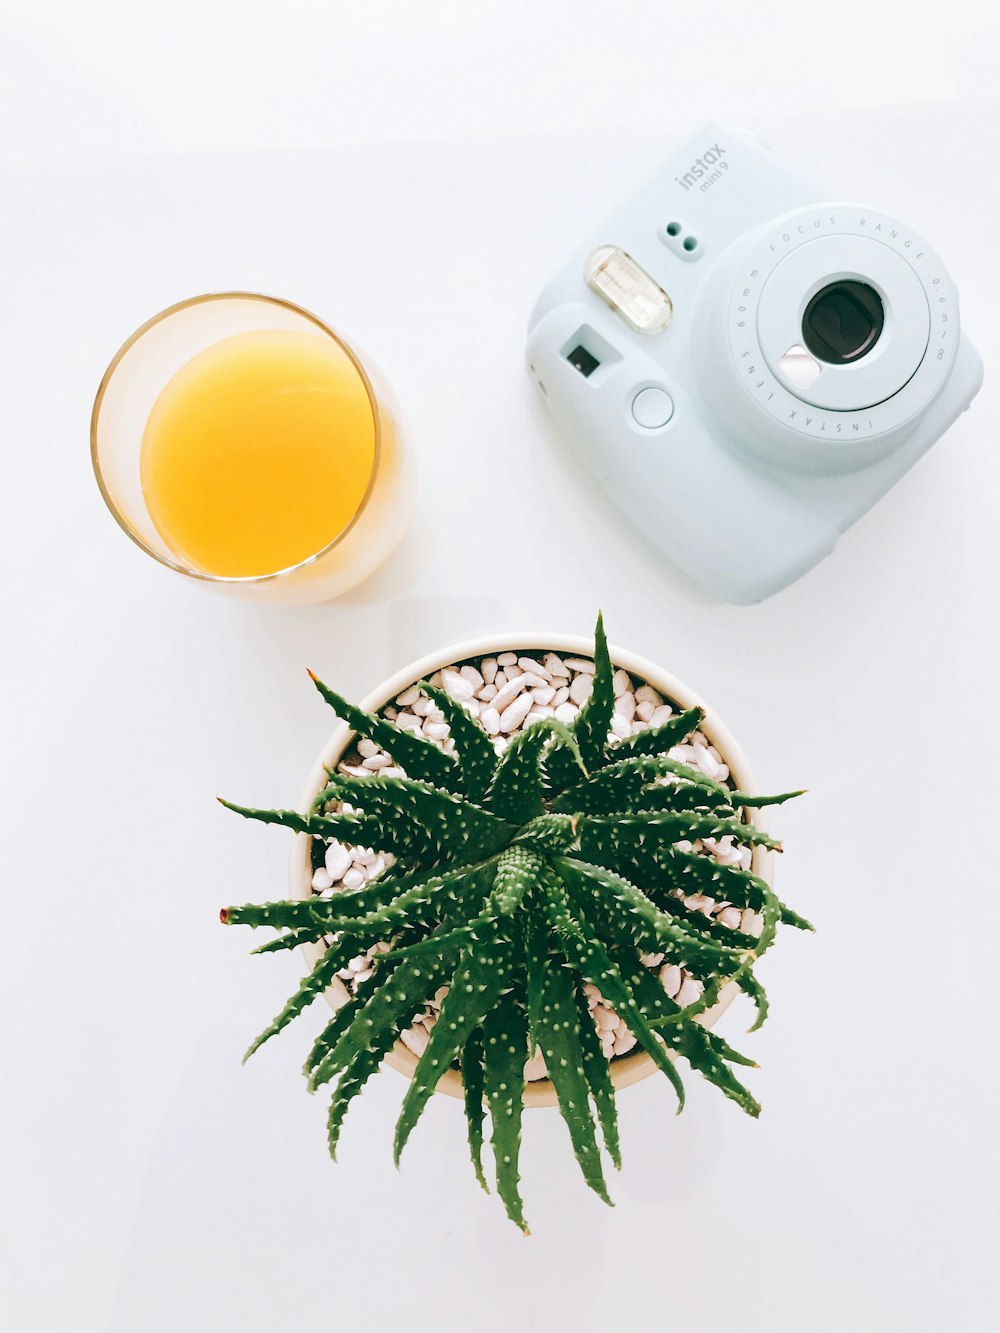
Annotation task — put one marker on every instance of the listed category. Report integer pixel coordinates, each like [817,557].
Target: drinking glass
[146,363]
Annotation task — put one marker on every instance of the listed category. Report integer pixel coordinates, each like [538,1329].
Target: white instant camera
[747,367]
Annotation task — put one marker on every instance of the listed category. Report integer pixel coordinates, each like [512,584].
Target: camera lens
[843,321]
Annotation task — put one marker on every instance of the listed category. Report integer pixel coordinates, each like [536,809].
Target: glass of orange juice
[240,441]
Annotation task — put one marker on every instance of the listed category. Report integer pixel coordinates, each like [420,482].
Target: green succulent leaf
[597,1072]
[474,1086]
[452,825]
[559,1039]
[485,970]
[617,786]
[421,759]
[752,988]
[593,722]
[311,987]
[589,957]
[537,960]
[653,929]
[591,726]
[519,782]
[505,1048]
[388,1010]
[474,752]
[548,833]
[658,740]
[518,868]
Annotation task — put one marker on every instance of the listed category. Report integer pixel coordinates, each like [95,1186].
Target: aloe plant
[519,879]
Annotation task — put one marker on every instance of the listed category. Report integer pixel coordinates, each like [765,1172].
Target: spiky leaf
[421,759]
[474,1086]
[474,753]
[505,1047]
[559,1039]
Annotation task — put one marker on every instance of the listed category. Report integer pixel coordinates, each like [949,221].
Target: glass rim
[243,580]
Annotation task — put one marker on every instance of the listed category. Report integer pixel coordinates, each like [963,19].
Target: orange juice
[258,452]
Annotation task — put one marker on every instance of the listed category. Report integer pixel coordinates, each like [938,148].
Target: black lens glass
[843,321]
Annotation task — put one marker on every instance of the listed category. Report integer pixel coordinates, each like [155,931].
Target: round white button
[652,408]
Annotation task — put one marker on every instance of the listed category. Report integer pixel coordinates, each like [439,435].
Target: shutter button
[652,408]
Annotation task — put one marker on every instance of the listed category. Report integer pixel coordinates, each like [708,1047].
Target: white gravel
[507,692]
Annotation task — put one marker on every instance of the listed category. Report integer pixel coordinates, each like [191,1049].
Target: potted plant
[525,875]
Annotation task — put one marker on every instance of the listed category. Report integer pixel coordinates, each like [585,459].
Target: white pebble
[560,696]
[474,677]
[367,748]
[393,771]
[690,991]
[624,1041]
[543,694]
[376,761]
[490,720]
[729,916]
[322,879]
[661,715]
[507,659]
[437,731]
[338,860]
[752,923]
[537,714]
[646,694]
[625,706]
[645,710]
[621,727]
[555,666]
[415,1039]
[514,714]
[360,977]
[423,706]
[670,979]
[409,696]
[566,712]
[408,722]
[354,878]
[620,682]
[581,688]
[534,668]
[488,666]
[651,959]
[456,685]
[508,693]
[487,693]
[605,1019]
[358,964]
[580,664]
[500,679]
[529,681]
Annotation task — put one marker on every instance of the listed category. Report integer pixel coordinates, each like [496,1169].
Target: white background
[413,173]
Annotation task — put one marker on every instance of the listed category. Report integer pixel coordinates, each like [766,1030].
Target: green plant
[519,879]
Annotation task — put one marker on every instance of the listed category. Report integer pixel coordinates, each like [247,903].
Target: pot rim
[626,1069]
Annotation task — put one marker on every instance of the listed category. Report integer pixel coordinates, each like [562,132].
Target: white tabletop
[149,1183]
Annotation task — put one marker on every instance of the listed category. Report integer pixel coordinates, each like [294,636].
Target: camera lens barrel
[840,326]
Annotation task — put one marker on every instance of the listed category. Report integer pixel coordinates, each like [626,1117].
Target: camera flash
[627,288]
